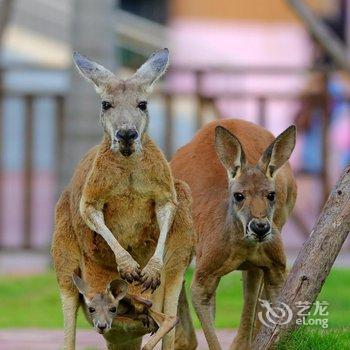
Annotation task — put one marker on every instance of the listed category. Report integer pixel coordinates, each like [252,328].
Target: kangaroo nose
[127,134]
[102,326]
[260,227]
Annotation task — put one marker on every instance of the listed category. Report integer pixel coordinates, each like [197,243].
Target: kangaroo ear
[118,288]
[80,284]
[278,152]
[153,68]
[92,71]
[229,150]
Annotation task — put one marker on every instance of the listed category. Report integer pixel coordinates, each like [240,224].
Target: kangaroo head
[124,114]
[102,307]
[252,188]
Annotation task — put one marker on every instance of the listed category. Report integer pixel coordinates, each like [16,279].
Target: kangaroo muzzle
[126,139]
[261,228]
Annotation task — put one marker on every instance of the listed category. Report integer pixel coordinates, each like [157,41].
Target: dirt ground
[37,339]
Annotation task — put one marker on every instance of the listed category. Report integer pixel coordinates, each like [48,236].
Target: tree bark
[314,261]
[324,35]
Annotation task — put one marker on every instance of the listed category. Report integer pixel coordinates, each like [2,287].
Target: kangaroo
[106,308]
[122,210]
[243,192]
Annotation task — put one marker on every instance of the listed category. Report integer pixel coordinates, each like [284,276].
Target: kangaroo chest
[132,219]
[129,213]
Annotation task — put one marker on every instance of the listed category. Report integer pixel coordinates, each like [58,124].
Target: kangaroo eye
[142,105]
[238,196]
[271,196]
[91,310]
[106,105]
[113,310]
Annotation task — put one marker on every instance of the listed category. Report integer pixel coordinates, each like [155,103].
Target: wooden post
[216,111]
[168,135]
[314,261]
[59,120]
[345,7]
[200,100]
[1,151]
[262,111]
[326,117]
[28,171]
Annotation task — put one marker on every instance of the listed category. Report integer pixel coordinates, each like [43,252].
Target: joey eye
[91,310]
[239,197]
[106,105]
[142,105]
[113,310]
[271,196]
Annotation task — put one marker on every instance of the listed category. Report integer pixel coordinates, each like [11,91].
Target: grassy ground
[313,339]
[34,301]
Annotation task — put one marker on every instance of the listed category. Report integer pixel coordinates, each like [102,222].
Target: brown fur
[220,246]
[122,215]
[114,308]
[130,216]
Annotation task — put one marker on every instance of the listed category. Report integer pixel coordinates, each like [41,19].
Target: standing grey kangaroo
[243,191]
[122,211]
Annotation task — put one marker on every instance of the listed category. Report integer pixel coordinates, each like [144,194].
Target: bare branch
[324,35]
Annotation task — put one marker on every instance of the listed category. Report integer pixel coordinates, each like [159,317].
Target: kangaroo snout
[102,327]
[126,139]
[260,227]
[126,135]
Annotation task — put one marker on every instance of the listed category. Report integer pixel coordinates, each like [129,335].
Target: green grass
[31,301]
[316,339]
[229,300]
[336,292]
[34,301]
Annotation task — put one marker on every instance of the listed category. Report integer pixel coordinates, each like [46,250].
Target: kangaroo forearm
[151,273]
[165,216]
[95,220]
[98,222]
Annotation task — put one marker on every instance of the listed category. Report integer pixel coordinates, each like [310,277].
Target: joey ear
[229,150]
[92,71]
[153,68]
[118,288]
[80,284]
[278,152]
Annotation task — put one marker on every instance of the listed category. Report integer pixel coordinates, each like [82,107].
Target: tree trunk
[314,261]
[92,35]
[324,35]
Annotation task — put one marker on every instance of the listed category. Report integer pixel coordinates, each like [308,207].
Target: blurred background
[241,59]
[263,61]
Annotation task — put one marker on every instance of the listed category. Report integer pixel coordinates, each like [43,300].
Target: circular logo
[276,314]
